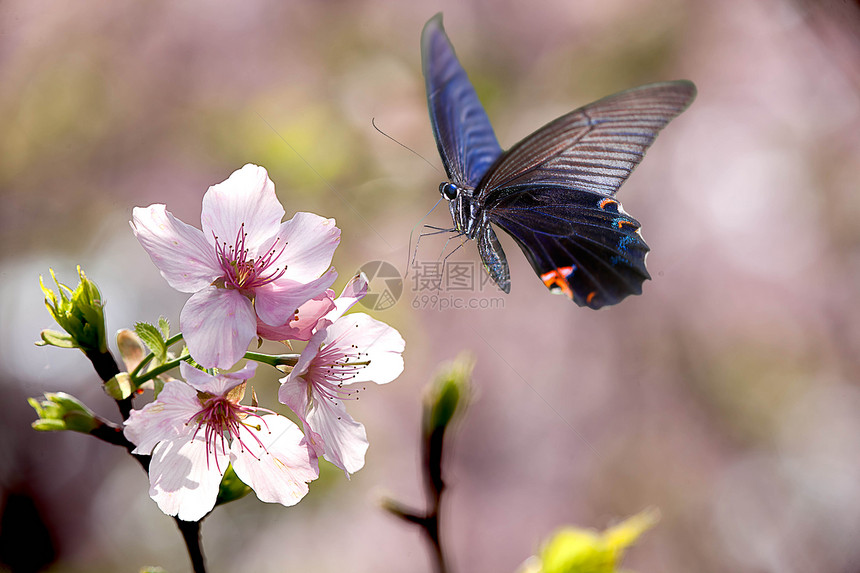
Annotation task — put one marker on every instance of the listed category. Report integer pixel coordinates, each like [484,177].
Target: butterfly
[554,191]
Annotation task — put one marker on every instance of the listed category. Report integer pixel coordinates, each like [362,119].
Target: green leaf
[231,488]
[164,326]
[151,336]
[58,339]
[157,386]
[575,550]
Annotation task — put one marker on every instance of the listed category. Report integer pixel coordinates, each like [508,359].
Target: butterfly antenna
[376,127]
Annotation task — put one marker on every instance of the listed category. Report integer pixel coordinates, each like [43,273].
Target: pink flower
[344,351]
[244,266]
[302,325]
[194,429]
[308,316]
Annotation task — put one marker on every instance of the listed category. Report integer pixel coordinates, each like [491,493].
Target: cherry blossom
[244,268]
[343,352]
[194,429]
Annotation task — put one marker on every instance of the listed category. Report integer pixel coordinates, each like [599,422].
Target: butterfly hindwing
[578,243]
[465,138]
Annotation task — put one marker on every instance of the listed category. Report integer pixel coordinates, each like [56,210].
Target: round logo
[384,285]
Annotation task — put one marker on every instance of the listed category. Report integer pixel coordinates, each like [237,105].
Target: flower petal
[279,466]
[183,482]
[163,419]
[217,325]
[185,258]
[294,393]
[302,325]
[245,202]
[353,292]
[307,356]
[345,439]
[219,384]
[378,343]
[277,302]
[310,242]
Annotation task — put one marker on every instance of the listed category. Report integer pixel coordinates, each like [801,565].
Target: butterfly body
[554,191]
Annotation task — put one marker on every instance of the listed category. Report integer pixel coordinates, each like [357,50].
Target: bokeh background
[726,395]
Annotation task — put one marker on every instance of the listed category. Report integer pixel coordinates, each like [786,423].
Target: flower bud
[120,386]
[61,411]
[448,394]
[131,348]
[79,312]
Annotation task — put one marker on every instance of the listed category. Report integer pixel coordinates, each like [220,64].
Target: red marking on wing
[557,278]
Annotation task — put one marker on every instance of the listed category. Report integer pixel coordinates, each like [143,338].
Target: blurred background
[726,395]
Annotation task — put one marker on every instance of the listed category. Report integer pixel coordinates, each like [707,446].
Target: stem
[273,360]
[191,534]
[432,449]
[148,358]
[155,372]
[434,487]
[106,367]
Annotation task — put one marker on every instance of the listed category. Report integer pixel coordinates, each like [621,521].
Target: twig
[107,368]
[432,449]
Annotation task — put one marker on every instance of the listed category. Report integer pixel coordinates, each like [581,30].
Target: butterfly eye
[448,190]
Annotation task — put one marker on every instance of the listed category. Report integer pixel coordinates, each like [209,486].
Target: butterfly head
[448,190]
[463,209]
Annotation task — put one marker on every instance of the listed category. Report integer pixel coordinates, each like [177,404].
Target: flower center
[336,364]
[223,421]
[241,271]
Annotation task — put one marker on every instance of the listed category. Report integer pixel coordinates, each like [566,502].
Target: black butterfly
[554,191]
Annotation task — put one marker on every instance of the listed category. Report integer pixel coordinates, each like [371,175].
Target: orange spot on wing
[590,297]
[622,222]
[556,280]
[604,202]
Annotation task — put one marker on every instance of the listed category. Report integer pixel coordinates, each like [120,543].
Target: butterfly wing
[463,132]
[554,193]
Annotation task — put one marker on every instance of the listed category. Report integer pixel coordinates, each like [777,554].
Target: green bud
[79,312]
[448,394]
[61,411]
[231,488]
[574,550]
[120,386]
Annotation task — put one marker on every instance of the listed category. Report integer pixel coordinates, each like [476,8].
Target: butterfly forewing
[593,148]
[465,138]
